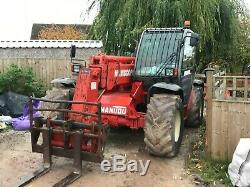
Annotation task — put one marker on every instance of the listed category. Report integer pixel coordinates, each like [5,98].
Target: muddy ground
[16,160]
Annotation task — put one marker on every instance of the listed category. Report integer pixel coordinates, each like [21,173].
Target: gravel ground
[17,160]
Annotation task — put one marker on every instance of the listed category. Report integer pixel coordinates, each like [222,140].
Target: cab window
[189,55]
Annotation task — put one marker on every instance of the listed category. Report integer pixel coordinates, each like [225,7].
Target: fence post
[209,96]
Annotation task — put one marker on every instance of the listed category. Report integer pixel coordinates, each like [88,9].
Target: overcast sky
[17,16]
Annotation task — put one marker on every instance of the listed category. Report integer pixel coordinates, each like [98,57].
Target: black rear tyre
[164,125]
[195,116]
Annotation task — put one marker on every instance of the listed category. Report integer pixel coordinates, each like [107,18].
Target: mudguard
[198,83]
[163,87]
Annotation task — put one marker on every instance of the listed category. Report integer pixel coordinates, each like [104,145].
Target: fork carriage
[66,138]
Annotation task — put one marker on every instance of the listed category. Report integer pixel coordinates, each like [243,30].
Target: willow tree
[120,22]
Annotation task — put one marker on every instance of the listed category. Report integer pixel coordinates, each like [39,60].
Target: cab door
[188,68]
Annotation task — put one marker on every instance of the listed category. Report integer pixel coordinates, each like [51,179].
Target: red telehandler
[155,90]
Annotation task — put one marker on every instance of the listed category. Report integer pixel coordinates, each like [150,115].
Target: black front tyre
[164,125]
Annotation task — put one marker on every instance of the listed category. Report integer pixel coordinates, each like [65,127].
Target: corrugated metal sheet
[52,44]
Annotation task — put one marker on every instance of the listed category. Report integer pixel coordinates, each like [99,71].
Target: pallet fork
[73,134]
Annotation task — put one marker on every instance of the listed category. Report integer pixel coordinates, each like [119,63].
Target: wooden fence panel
[45,69]
[229,114]
[230,122]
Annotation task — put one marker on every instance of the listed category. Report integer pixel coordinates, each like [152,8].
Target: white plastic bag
[6,119]
[239,169]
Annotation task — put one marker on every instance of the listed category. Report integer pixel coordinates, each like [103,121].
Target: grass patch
[210,171]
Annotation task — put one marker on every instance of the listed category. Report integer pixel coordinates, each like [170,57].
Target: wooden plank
[239,77]
[34,64]
[49,67]
[68,68]
[7,64]
[238,125]
[245,125]
[234,87]
[224,131]
[216,130]
[233,101]
[45,67]
[247,119]
[53,69]
[213,91]
[49,70]
[209,117]
[224,87]
[229,133]
[1,65]
[246,89]
[234,128]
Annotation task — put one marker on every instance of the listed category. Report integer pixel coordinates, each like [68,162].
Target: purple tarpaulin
[23,123]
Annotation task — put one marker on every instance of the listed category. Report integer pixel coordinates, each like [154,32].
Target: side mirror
[73,51]
[194,39]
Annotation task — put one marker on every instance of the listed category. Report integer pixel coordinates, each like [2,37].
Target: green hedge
[21,80]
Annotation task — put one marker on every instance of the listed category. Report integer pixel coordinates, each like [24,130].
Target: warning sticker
[93,86]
